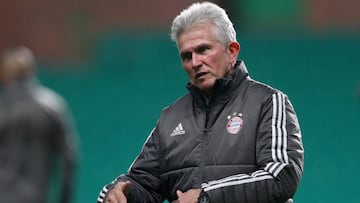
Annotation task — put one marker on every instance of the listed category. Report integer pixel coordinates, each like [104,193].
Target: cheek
[217,58]
[216,63]
[188,71]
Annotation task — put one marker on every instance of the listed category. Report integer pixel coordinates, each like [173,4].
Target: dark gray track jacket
[243,145]
[34,133]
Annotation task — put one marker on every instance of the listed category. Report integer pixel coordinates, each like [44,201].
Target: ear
[233,50]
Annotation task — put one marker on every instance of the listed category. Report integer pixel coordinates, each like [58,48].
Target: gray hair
[204,12]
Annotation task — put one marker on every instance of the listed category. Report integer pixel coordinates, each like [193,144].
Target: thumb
[179,193]
[126,185]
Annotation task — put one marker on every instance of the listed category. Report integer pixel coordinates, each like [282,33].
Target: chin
[205,88]
[205,85]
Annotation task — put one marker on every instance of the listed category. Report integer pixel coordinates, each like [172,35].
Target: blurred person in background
[35,133]
[230,139]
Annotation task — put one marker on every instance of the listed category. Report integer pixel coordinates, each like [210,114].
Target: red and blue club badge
[235,123]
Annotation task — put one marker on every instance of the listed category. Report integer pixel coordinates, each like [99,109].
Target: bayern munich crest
[235,123]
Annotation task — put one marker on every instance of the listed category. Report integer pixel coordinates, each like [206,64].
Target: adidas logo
[179,130]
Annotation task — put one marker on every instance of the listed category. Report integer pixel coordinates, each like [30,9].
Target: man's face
[203,57]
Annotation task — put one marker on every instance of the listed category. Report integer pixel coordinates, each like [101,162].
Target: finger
[118,192]
[120,197]
[124,187]
[111,198]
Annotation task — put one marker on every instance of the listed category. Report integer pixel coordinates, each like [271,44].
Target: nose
[195,60]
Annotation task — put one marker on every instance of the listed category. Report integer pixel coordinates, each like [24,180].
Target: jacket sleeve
[279,153]
[67,145]
[143,175]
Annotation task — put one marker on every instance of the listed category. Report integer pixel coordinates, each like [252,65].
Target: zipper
[204,142]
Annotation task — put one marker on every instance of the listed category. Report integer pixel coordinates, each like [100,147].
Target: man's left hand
[190,196]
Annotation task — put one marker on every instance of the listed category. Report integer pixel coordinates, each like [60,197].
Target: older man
[230,139]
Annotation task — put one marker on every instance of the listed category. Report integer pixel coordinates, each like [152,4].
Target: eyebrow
[196,48]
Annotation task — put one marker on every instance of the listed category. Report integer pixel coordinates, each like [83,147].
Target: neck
[208,93]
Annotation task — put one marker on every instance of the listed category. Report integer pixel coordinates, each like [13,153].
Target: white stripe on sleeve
[278,151]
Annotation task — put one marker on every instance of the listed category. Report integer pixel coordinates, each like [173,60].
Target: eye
[186,56]
[202,49]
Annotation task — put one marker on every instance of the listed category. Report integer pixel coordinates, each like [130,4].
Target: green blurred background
[117,81]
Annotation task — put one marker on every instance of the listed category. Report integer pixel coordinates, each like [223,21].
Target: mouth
[199,75]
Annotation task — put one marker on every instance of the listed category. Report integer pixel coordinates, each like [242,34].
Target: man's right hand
[117,194]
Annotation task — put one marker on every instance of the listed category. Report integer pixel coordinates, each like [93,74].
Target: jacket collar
[223,87]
